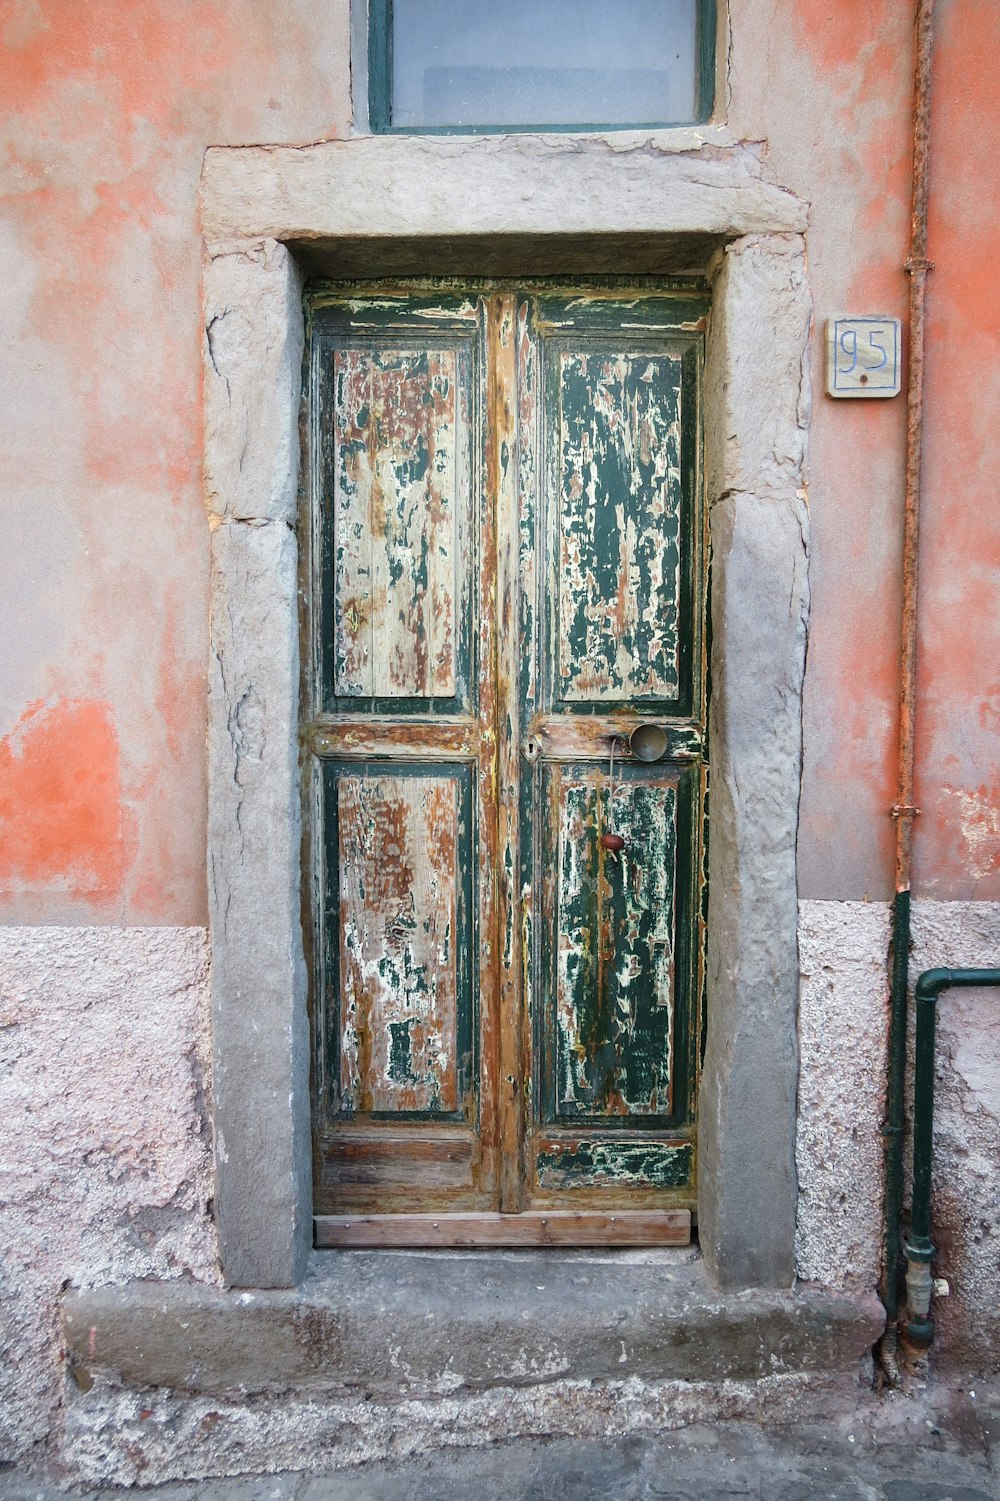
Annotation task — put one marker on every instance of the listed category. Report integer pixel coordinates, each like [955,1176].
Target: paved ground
[940,1447]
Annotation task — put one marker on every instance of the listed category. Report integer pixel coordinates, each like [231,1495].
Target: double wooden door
[505,576]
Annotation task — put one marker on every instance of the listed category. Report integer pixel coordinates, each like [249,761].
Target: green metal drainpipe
[892,1131]
[918,1246]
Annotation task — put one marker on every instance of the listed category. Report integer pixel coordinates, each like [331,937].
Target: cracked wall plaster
[965,1202]
[843,1023]
[843,1017]
[105,1154]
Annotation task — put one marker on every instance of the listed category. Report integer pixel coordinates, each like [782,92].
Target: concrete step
[866,1448]
[400,1325]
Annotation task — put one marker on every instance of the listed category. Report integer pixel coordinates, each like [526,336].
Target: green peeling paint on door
[638,1164]
[506,575]
[613,947]
[613,849]
[619,564]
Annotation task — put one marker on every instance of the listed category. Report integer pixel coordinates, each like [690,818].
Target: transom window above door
[468,65]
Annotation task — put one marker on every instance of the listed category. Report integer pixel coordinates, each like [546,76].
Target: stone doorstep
[400,1325]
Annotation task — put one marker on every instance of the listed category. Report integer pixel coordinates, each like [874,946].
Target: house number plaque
[863,356]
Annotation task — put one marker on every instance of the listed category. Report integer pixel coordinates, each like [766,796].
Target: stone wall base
[839,1153]
[391,1353]
[105,1149]
[105,1157]
[125,1437]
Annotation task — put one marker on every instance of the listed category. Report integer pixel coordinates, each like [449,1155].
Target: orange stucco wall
[107,109]
[833,105]
[957,843]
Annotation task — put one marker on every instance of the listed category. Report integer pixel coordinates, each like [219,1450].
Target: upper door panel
[620,386]
[397,416]
[400,480]
[618,451]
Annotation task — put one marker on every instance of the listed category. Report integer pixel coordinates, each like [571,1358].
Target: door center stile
[503,484]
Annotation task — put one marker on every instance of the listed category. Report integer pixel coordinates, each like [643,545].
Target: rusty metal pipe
[917,266]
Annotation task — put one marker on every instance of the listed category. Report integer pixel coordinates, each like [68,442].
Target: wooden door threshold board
[550,1227]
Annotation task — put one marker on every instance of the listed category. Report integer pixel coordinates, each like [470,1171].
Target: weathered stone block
[420,1325]
[260,1037]
[253,362]
[384,187]
[757,388]
[747,1106]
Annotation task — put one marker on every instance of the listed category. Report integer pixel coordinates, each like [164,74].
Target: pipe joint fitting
[920,1332]
[919,1286]
[931,983]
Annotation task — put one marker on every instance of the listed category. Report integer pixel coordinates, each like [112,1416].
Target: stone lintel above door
[650,204]
[385,192]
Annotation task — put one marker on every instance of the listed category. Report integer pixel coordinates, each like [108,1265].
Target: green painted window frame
[380,85]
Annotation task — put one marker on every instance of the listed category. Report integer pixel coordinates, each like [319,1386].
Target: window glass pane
[543,62]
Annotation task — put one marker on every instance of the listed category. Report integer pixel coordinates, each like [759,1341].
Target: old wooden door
[506,579]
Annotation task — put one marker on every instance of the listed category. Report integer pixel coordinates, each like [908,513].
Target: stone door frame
[525,204]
